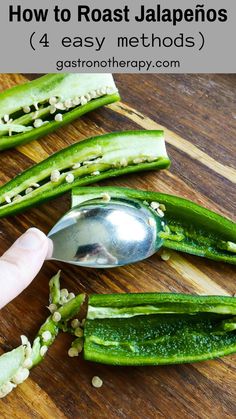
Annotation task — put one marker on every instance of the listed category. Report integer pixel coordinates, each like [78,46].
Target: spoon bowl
[100,234]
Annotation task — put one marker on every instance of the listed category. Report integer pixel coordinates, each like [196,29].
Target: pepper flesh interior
[85,162]
[31,110]
[123,329]
[190,228]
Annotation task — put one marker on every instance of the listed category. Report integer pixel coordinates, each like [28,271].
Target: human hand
[20,264]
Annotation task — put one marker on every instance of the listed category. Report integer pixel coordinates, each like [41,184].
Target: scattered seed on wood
[97,382]
[165,255]
[72,352]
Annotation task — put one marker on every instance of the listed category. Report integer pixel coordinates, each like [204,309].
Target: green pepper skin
[202,232]
[39,91]
[114,155]
[122,329]
[25,356]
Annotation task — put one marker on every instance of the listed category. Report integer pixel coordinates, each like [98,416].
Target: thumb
[21,263]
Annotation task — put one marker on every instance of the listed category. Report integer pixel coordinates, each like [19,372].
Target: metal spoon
[97,234]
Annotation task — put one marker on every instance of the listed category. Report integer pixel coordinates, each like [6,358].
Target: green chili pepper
[189,227]
[32,110]
[16,364]
[129,329]
[84,163]
[155,329]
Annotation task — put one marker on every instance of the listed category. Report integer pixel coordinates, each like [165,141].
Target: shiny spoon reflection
[100,234]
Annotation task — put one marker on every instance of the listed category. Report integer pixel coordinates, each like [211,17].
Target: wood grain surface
[198,114]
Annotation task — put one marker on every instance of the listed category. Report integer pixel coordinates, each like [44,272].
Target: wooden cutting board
[199,117]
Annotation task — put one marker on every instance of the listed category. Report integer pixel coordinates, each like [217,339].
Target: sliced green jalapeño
[83,163]
[158,329]
[34,109]
[189,227]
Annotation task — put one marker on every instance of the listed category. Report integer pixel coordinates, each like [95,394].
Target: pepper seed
[21,375]
[68,103]
[17,198]
[52,100]
[60,106]
[75,323]
[160,212]
[70,178]
[154,205]
[26,109]
[105,197]
[72,352]
[27,363]
[53,109]
[55,176]
[28,190]
[64,292]
[123,162]
[52,308]
[46,336]
[97,382]
[58,117]
[93,94]
[38,123]
[43,350]
[76,166]
[7,199]
[56,317]
[138,160]
[79,332]
[76,101]
[165,255]
[83,100]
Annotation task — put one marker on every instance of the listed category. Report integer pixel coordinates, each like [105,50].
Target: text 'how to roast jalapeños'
[188,226]
[34,109]
[128,329]
[83,163]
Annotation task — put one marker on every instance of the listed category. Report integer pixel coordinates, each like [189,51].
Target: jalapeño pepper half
[189,227]
[34,109]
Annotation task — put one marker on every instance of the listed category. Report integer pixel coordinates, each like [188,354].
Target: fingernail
[33,239]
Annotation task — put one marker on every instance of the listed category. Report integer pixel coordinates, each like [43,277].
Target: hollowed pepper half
[83,163]
[158,328]
[189,227]
[128,329]
[34,109]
